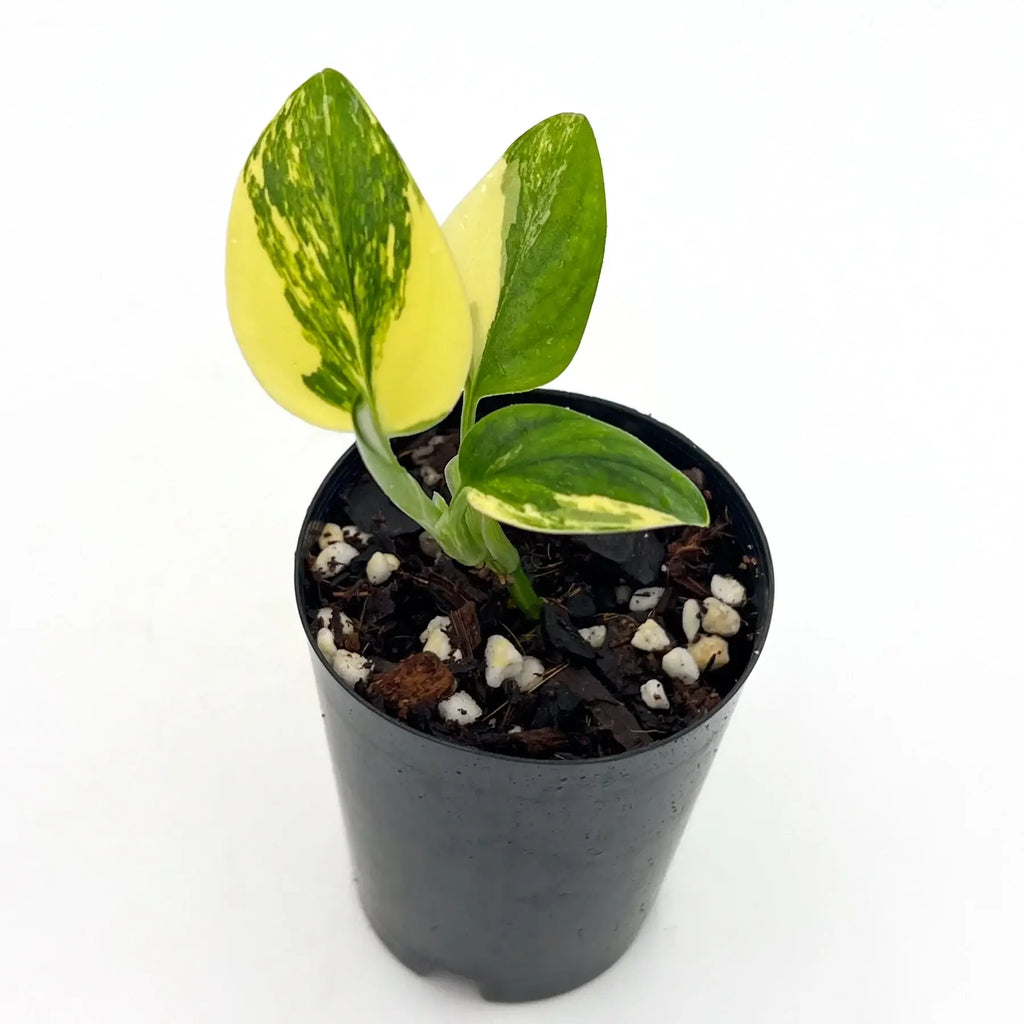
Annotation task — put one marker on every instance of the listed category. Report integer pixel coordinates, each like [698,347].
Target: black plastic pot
[527,877]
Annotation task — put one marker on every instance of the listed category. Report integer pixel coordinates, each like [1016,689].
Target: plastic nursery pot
[527,877]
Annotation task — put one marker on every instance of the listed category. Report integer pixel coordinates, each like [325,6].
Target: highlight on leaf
[552,470]
[341,287]
[529,243]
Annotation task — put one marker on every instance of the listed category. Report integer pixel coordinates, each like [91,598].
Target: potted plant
[530,613]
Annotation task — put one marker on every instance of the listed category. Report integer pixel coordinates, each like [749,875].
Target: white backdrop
[814,269]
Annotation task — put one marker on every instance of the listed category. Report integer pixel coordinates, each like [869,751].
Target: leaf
[529,241]
[549,469]
[340,284]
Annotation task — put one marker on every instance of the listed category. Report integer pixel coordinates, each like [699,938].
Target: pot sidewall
[528,877]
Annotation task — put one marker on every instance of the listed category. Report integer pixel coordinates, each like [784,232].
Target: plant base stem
[461,531]
[521,589]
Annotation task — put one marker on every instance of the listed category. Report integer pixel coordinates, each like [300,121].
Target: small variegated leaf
[553,470]
[341,287]
[529,242]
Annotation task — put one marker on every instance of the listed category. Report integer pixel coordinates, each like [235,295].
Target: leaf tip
[572,122]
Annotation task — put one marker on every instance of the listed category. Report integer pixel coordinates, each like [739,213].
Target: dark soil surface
[589,704]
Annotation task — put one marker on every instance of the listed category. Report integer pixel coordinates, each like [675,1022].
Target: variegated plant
[357,311]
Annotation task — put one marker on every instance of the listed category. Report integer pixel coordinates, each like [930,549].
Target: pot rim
[760,636]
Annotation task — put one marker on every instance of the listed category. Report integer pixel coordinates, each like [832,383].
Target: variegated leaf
[553,470]
[341,287]
[529,242]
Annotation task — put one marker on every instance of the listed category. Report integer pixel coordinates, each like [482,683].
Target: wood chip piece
[421,680]
[465,628]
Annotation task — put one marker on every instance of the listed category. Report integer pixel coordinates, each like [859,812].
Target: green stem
[469,404]
[521,589]
[504,558]
[394,481]
[456,532]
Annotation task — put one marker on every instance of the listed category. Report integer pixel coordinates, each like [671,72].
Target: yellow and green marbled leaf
[544,468]
[341,287]
[529,243]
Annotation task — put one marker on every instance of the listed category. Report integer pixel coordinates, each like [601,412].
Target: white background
[814,269]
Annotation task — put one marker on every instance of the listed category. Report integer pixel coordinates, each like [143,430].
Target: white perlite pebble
[430,476]
[334,558]
[646,600]
[354,533]
[594,635]
[380,567]
[531,675]
[325,642]
[325,617]
[622,594]
[423,451]
[501,661]
[350,667]
[720,618]
[707,647]
[440,644]
[679,664]
[459,707]
[691,618]
[651,637]
[330,534]
[437,622]
[514,730]
[653,695]
[429,546]
[729,590]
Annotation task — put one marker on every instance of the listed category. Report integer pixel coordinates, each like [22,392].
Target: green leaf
[341,287]
[529,242]
[549,469]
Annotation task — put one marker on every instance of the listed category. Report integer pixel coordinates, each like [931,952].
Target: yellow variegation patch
[476,231]
[421,368]
[544,468]
[341,287]
[272,340]
[572,513]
